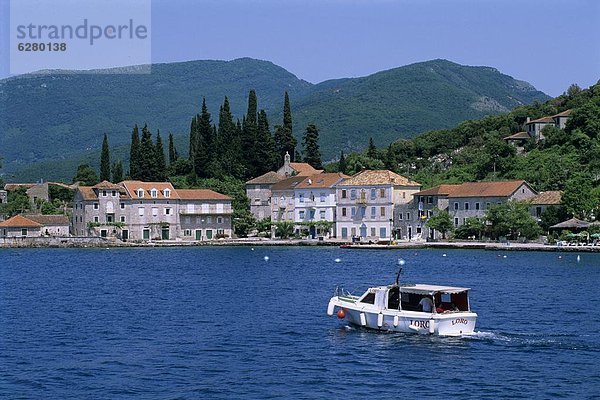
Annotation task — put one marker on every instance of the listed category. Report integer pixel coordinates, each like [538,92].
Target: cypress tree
[265,154]
[160,161]
[147,170]
[173,155]
[134,154]
[249,136]
[342,165]
[285,141]
[105,160]
[310,142]
[117,171]
[372,150]
[390,158]
[204,133]
[227,145]
[193,137]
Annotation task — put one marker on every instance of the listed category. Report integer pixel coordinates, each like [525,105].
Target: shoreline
[96,242]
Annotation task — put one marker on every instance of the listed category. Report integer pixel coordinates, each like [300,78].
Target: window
[353,232]
[353,194]
[154,211]
[96,219]
[344,233]
[408,216]
[24,232]
[477,206]
[419,230]
[109,218]
[322,214]
[400,216]
[187,232]
[373,231]
[322,197]
[154,193]
[301,214]
[104,193]
[209,219]
[456,206]
[219,220]
[301,197]
[353,211]
[167,211]
[122,206]
[373,212]
[167,193]
[114,193]
[373,194]
[538,212]
[312,214]
[363,210]
[382,211]
[466,206]
[429,199]
[343,211]
[403,195]
[122,218]
[96,206]
[141,211]
[343,193]
[382,193]
[487,205]
[382,232]
[455,221]
[140,193]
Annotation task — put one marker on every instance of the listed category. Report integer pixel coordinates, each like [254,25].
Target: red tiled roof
[326,180]
[565,113]
[543,120]
[49,219]
[518,135]
[288,183]
[378,177]
[440,190]
[87,192]
[201,194]
[19,221]
[487,189]
[132,188]
[106,185]
[552,197]
[304,169]
[13,186]
[266,179]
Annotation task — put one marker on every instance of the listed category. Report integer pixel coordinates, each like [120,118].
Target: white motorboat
[426,309]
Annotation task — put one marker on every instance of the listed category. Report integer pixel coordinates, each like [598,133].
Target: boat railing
[341,292]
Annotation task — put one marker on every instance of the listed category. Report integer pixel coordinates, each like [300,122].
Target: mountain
[51,121]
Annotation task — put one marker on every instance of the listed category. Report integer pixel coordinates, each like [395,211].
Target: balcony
[361,200]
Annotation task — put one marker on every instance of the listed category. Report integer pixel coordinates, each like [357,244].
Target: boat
[399,308]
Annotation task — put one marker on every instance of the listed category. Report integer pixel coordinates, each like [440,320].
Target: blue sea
[228,323]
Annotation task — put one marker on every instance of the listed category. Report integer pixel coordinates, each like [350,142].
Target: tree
[85,175]
[173,155]
[372,150]
[160,161]
[284,229]
[472,228]
[285,141]
[204,139]
[310,142]
[228,147]
[512,219]
[249,136]
[17,202]
[342,166]
[441,221]
[105,160]
[147,164]
[265,153]
[552,216]
[578,197]
[117,171]
[134,154]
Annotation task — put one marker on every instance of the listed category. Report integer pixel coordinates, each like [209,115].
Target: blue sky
[549,43]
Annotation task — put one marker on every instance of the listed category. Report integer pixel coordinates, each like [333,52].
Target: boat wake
[562,341]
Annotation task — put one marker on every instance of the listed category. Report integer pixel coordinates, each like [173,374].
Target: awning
[572,223]
[432,289]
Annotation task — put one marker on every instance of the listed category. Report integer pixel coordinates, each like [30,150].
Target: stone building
[52,225]
[144,211]
[20,227]
[366,201]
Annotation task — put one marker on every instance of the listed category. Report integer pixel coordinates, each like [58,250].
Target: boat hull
[446,324]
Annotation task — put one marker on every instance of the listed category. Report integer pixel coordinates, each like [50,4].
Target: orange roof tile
[49,219]
[518,135]
[326,180]
[106,185]
[266,179]
[288,183]
[201,194]
[565,113]
[440,190]
[304,169]
[543,120]
[378,177]
[487,189]
[87,192]
[552,197]
[19,221]
[132,188]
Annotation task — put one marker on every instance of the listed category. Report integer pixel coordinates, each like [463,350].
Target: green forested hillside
[50,123]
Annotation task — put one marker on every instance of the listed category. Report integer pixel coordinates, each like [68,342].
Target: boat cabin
[408,297]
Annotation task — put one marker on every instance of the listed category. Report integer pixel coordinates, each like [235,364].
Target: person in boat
[426,304]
